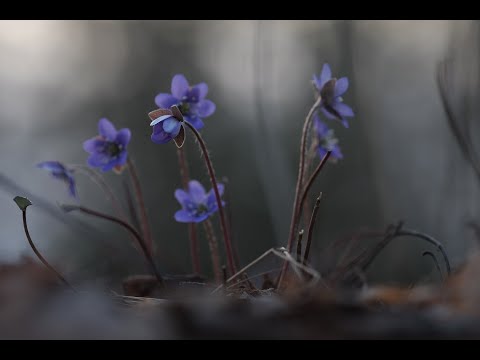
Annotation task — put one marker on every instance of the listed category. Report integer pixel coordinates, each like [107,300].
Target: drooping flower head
[167,125]
[331,91]
[108,150]
[189,99]
[326,140]
[197,204]
[61,172]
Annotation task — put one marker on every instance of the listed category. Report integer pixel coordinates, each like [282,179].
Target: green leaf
[22,202]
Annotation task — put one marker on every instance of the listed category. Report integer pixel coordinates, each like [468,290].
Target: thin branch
[310,229]
[128,227]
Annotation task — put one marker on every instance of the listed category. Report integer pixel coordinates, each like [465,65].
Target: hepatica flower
[167,125]
[326,140]
[197,204]
[108,150]
[331,91]
[61,172]
[189,99]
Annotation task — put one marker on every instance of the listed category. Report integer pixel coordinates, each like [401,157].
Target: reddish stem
[192,229]
[40,257]
[141,206]
[223,223]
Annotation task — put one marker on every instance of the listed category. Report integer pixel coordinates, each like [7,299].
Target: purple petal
[98,159]
[159,136]
[205,108]
[184,216]
[93,145]
[345,123]
[341,86]
[320,126]
[109,166]
[211,198]
[179,86]
[160,119]
[106,129]
[71,187]
[196,191]
[336,152]
[171,126]
[123,137]
[166,100]
[182,197]
[325,75]
[195,121]
[327,114]
[122,158]
[343,109]
[52,166]
[201,90]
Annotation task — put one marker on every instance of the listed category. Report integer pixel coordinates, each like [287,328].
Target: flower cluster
[332,107]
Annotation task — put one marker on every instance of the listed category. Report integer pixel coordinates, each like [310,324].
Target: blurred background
[58,78]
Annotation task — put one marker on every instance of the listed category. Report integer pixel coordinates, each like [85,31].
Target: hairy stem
[310,229]
[127,226]
[141,206]
[192,229]
[223,223]
[213,244]
[40,257]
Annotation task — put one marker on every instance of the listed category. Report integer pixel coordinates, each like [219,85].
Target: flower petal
[183,216]
[106,129]
[336,152]
[212,200]
[71,187]
[325,75]
[201,90]
[98,159]
[121,160]
[345,123]
[343,109]
[52,166]
[179,86]
[195,121]
[110,165]
[123,137]
[196,191]
[159,136]
[160,119]
[182,197]
[166,100]
[327,114]
[341,86]
[205,108]
[171,126]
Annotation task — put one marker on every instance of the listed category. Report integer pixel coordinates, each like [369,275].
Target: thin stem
[213,244]
[299,245]
[428,238]
[298,188]
[126,226]
[307,187]
[435,261]
[97,179]
[40,257]
[310,229]
[223,223]
[192,229]
[141,205]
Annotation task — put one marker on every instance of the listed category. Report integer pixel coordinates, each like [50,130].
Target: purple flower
[109,149]
[189,99]
[61,172]
[167,125]
[197,204]
[326,140]
[331,90]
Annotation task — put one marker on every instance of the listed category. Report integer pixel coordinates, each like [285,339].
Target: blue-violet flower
[61,172]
